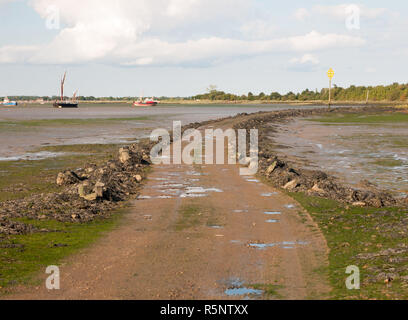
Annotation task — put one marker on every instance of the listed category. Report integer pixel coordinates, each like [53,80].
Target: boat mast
[62,86]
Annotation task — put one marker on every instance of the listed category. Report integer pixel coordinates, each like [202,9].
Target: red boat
[145,103]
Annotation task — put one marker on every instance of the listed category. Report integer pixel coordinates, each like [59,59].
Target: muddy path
[200,232]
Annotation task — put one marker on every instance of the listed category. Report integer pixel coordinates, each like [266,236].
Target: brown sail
[65,103]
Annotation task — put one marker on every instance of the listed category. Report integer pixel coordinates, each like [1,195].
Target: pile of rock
[86,193]
[283,174]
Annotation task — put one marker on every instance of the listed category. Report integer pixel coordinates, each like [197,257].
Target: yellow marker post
[330,74]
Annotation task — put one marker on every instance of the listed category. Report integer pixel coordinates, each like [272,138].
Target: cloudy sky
[179,47]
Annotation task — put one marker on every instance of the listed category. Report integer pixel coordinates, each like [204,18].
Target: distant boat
[6,102]
[73,103]
[145,103]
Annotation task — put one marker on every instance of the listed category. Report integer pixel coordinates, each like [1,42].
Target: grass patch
[354,231]
[19,179]
[388,163]
[270,290]
[395,117]
[22,256]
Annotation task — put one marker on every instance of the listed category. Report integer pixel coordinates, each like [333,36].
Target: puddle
[282,245]
[216,227]
[144,197]
[193,195]
[268,194]
[240,211]
[290,206]
[252,180]
[273,212]
[243,292]
[236,288]
[202,190]
[193,173]
[272,221]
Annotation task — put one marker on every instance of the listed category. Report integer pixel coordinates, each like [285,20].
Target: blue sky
[179,47]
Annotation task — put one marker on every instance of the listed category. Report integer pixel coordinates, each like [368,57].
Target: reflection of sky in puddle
[236,288]
[273,212]
[242,292]
[272,221]
[282,245]
[240,211]
[269,194]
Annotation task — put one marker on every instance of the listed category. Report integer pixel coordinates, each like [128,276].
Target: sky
[180,47]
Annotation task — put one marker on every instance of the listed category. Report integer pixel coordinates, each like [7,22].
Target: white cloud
[258,29]
[14,54]
[306,59]
[5,1]
[131,33]
[305,63]
[341,11]
[301,14]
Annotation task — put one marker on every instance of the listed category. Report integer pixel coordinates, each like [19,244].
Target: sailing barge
[73,103]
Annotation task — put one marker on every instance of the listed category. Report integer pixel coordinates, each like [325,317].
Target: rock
[248,161]
[91,197]
[146,159]
[124,155]
[291,185]
[359,204]
[138,178]
[67,178]
[377,203]
[253,165]
[317,189]
[99,189]
[89,170]
[271,168]
[83,189]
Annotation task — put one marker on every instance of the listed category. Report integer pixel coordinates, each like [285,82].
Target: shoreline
[170,102]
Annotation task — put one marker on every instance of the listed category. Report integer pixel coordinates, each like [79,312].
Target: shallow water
[377,153]
[16,139]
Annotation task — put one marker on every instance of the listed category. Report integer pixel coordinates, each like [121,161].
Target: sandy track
[174,245]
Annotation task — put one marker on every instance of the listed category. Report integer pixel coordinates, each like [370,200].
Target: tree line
[394,92]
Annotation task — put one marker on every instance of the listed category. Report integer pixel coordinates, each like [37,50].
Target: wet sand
[352,153]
